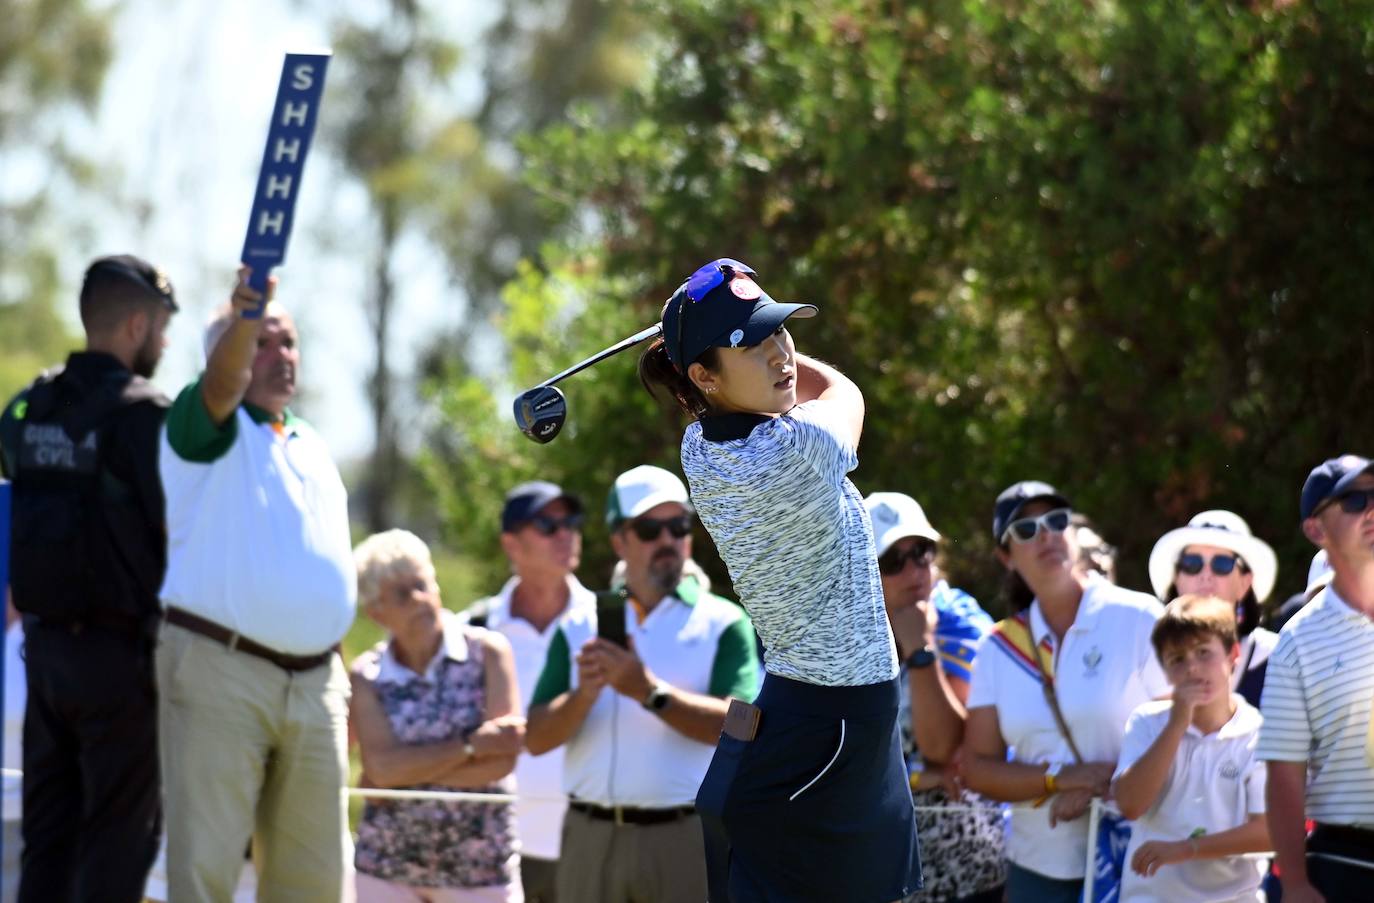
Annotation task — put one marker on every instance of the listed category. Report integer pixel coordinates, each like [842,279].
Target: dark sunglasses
[550,525]
[1025,529]
[648,529]
[700,284]
[1221,565]
[1354,501]
[921,554]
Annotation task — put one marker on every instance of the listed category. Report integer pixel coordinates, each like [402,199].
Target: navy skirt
[817,807]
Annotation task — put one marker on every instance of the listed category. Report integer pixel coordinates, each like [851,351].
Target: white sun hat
[1223,529]
[896,516]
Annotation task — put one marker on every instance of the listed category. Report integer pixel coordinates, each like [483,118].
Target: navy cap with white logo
[1330,479]
[525,501]
[720,305]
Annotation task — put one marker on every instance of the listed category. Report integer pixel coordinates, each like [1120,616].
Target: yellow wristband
[1051,784]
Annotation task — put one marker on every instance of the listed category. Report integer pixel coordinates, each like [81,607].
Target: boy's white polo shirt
[1104,670]
[540,807]
[1215,784]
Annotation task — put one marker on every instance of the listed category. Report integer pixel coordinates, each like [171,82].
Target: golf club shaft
[602,355]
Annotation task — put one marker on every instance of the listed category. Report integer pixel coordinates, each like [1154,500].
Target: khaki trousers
[251,750]
[602,862]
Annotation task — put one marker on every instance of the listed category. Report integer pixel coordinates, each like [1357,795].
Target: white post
[1090,876]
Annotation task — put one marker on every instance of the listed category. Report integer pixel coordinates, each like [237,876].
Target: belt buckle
[619,813]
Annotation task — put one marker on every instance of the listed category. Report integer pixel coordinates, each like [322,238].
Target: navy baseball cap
[720,305]
[116,273]
[525,501]
[1016,497]
[1329,480]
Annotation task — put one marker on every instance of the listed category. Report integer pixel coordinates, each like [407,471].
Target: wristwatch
[921,658]
[1051,778]
[657,698]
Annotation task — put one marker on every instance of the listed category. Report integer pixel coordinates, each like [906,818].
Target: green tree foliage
[1124,247]
[53,57]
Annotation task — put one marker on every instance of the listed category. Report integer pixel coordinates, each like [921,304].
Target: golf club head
[540,413]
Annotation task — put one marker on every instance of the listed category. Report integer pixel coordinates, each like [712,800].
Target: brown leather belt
[627,815]
[238,643]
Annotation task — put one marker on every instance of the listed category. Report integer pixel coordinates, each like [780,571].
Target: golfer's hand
[626,674]
[1156,853]
[248,301]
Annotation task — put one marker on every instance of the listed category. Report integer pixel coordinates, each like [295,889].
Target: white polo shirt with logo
[539,779]
[257,527]
[1104,670]
[1215,783]
[1318,702]
[623,754]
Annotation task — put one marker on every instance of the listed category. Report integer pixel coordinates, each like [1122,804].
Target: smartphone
[610,622]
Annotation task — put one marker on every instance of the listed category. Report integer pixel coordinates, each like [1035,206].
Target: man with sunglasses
[1317,737]
[541,534]
[641,720]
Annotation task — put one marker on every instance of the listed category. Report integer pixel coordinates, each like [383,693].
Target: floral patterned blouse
[436,844]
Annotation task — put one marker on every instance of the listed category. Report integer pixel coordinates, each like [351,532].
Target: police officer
[89,549]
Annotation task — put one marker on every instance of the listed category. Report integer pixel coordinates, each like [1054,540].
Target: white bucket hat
[1224,529]
[896,516]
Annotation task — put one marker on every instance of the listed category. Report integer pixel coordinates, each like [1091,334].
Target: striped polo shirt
[775,496]
[1317,699]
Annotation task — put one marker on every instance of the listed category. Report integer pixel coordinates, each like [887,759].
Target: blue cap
[720,305]
[1329,480]
[526,500]
[1016,497]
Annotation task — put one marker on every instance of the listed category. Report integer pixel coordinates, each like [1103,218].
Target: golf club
[540,412]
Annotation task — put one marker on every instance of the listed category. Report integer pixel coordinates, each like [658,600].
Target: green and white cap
[641,488]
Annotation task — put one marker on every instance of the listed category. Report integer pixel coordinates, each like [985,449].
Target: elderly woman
[1217,555]
[937,628]
[1056,683]
[435,707]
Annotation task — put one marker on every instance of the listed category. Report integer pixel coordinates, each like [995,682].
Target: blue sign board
[283,160]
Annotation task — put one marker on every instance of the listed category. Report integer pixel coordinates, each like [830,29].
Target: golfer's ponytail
[657,370]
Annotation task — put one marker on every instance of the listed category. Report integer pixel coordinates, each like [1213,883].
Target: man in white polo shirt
[1318,735]
[641,720]
[541,534]
[259,591]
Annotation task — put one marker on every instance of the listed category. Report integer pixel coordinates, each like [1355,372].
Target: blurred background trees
[1123,247]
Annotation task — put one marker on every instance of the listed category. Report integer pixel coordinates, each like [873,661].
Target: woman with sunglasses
[1055,682]
[1217,555]
[806,797]
[937,628]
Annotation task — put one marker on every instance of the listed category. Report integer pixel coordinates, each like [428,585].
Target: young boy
[1188,776]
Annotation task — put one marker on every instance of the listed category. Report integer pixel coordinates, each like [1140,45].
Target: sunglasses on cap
[548,526]
[648,529]
[1352,502]
[1193,563]
[921,554]
[700,284]
[1024,529]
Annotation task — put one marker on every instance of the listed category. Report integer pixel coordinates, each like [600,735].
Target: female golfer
[807,796]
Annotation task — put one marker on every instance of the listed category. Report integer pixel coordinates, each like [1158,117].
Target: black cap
[1016,497]
[120,271]
[720,305]
[525,501]
[1330,479]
